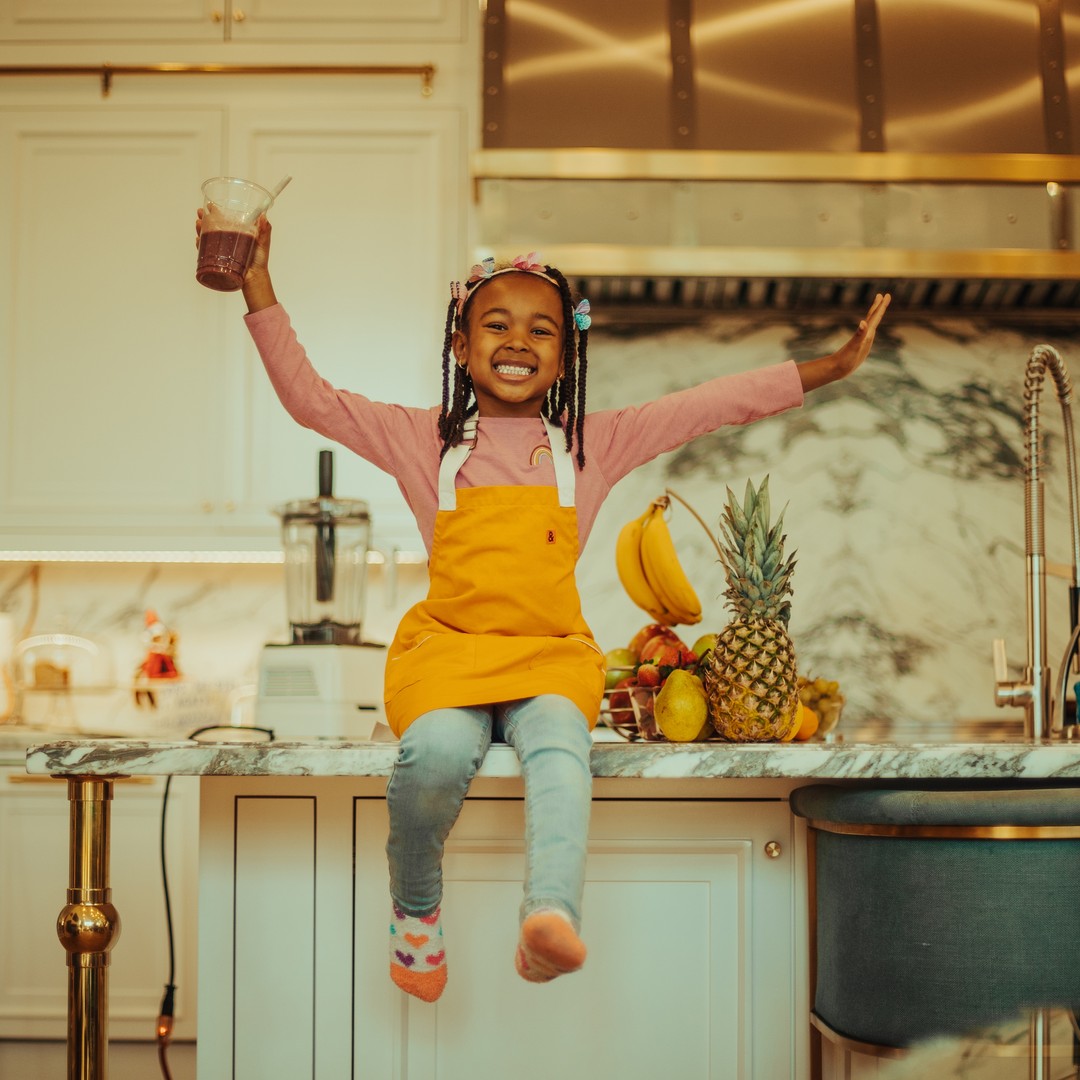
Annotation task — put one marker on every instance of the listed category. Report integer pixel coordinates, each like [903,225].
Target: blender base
[322,692]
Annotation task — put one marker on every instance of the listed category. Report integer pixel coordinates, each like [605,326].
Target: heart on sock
[431,919]
[417,940]
[404,958]
[436,958]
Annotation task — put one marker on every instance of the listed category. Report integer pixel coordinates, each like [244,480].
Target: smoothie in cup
[227,241]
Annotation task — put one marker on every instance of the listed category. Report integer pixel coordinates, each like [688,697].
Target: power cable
[212,733]
[165,1014]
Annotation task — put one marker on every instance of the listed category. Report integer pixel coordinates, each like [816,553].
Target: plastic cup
[232,207]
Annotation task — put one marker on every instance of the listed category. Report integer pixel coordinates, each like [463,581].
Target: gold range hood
[717,154]
[987,233]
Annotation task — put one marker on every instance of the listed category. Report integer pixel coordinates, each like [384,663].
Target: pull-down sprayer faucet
[1035,691]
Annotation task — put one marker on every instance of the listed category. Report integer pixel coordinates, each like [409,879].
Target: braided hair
[565,401]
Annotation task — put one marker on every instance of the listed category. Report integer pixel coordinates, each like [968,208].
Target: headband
[524,264]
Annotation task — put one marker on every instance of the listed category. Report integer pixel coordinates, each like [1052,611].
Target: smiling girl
[505,479]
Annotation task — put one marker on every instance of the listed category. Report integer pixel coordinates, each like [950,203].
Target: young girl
[505,480]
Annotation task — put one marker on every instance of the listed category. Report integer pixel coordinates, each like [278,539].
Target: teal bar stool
[941,911]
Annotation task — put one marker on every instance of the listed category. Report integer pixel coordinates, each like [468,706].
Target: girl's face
[513,344]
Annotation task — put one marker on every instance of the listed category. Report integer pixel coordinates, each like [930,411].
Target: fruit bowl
[629,712]
[829,710]
[643,704]
[617,713]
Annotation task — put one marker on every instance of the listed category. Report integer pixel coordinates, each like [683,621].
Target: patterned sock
[417,954]
[548,946]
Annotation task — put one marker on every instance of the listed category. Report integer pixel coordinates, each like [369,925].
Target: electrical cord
[165,1014]
[164,1030]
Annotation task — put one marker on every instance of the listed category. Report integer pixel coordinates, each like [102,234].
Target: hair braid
[571,396]
[448,333]
[583,370]
[456,403]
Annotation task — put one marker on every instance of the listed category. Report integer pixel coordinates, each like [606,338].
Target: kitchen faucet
[1035,691]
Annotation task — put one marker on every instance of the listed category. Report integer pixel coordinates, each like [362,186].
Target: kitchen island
[695,915]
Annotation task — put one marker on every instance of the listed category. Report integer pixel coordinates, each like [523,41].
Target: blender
[326,681]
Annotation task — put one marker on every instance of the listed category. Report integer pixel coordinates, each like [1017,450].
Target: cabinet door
[366,239]
[236,20]
[96,20]
[110,367]
[347,20]
[275,921]
[34,880]
[690,970]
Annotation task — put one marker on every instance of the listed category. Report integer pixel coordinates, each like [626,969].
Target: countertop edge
[1019,761]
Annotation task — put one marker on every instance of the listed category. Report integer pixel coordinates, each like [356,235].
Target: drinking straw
[283,183]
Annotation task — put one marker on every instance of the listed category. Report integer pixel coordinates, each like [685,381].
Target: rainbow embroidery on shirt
[539,454]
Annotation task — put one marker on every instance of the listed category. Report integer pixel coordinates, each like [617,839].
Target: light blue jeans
[439,755]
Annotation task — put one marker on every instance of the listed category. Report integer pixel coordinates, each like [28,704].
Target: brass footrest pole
[88,927]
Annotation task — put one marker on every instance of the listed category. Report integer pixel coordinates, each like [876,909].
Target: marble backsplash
[905,505]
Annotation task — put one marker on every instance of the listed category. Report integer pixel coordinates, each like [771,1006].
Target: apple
[704,644]
[668,654]
[660,641]
[646,632]
[622,712]
[618,664]
[661,653]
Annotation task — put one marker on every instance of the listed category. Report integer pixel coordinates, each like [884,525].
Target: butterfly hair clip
[482,270]
[582,318]
[530,263]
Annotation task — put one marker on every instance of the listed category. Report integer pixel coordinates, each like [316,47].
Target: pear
[682,707]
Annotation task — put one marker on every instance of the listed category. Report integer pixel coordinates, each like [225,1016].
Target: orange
[794,727]
[808,723]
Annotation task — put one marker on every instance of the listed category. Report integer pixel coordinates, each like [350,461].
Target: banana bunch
[650,572]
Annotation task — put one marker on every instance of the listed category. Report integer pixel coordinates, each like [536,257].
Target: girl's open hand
[850,355]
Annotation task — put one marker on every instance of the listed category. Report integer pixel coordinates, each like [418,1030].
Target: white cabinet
[135,412]
[33,884]
[112,360]
[230,20]
[693,929]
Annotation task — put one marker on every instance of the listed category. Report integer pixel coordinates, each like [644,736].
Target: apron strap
[451,463]
[456,456]
[561,458]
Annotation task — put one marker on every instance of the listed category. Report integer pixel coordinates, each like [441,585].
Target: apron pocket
[438,656]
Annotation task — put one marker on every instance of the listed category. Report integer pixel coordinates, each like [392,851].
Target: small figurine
[160,660]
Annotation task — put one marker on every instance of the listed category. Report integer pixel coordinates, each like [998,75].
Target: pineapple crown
[752,554]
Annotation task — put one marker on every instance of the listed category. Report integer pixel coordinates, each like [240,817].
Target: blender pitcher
[326,547]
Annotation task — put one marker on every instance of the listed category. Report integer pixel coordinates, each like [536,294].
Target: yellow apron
[502,619]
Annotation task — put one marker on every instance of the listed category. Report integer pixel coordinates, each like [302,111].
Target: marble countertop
[1015,759]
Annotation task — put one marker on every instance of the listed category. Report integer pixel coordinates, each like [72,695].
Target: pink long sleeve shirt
[405,441]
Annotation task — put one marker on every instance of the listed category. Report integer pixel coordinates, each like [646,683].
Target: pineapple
[751,677]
